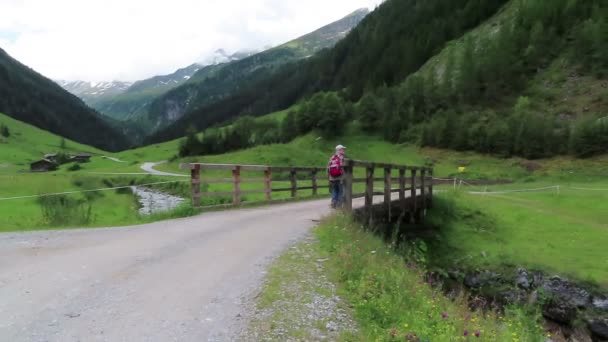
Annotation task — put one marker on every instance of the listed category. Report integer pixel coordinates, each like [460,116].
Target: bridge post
[431,188]
[315,187]
[387,190]
[268,183]
[348,186]
[413,198]
[236,196]
[402,201]
[294,185]
[423,190]
[195,182]
[369,192]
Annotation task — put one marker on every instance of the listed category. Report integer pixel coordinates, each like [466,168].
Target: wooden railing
[413,198]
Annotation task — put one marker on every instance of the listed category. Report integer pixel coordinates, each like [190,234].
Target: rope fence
[85,191]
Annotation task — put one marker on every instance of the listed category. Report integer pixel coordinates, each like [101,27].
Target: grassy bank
[564,233]
[392,302]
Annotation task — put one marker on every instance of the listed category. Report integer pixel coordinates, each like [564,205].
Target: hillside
[392,42]
[217,82]
[132,103]
[27,143]
[93,92]
[524,78]
[30,97]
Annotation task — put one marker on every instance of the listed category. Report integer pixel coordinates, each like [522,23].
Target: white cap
[340,147]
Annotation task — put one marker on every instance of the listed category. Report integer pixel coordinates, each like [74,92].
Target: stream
[154,201]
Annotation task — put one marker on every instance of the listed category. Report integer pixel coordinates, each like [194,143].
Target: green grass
[390,298]
[565,233]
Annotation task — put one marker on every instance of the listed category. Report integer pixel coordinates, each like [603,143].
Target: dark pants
[337,193]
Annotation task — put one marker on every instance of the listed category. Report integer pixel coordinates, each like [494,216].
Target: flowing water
[154,201]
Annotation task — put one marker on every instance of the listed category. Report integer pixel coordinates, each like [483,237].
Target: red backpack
[335,166]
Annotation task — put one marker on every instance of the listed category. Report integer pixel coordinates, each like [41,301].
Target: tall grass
[63,210]
[392,302]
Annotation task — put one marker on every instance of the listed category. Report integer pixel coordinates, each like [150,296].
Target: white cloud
[98,40]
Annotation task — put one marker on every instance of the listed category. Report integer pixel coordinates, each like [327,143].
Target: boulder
[522,281]
[561,290]
[562,312]
[599,328]
[600,303]
[478,280]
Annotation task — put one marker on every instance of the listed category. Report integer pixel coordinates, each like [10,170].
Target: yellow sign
[462,169]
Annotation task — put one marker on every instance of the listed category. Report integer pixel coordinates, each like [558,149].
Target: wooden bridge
[405,189]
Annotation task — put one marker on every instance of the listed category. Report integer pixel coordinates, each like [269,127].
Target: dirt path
[181,280]
[149,168]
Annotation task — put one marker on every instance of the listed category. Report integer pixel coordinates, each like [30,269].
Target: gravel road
[149,168]
[180,280]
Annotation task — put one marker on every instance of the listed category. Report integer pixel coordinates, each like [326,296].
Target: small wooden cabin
[43,165]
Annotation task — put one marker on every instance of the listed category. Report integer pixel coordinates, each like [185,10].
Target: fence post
[348,186]
[315,188]
[387,190]
[431,188]
[267,183]
[294,185]
[402,189]
[423,189]
[369,192]
[413,195]
[236,196]
[195,182]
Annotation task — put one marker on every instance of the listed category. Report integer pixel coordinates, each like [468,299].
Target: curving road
[180,280]
[149,168]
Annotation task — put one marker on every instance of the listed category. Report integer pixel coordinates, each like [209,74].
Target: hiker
[335,171]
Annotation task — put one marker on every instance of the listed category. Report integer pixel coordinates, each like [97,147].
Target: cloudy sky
[102,40]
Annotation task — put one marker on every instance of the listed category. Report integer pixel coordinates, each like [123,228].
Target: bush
[4,131]
[63,210]
[75,167]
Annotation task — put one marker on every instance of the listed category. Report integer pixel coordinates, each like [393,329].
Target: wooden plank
[217,193]
[423,188]
[431,188]
[314,182]
[195,178]
[294,168]
[236,198]
[413,196]
[186,166]
[369,193]
[205,166]
[348,186]
[387,190]
[268,183]
[402,189]
[294,183]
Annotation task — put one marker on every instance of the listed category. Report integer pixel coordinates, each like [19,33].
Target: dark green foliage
[30,97]
[63,210]
[4,131]
[75,167]
[331,123]
[369,113]
[390,44]
[590,137]
[62,144]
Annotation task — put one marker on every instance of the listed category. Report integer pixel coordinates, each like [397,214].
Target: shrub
[63,210]
[4,131]
[75,167]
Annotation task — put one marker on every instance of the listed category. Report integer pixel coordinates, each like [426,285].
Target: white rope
[83,191]
[511,191]
[587,189]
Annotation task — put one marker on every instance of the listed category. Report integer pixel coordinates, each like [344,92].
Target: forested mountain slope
[389,44]
[519,77]
[214,83]
[30,97]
